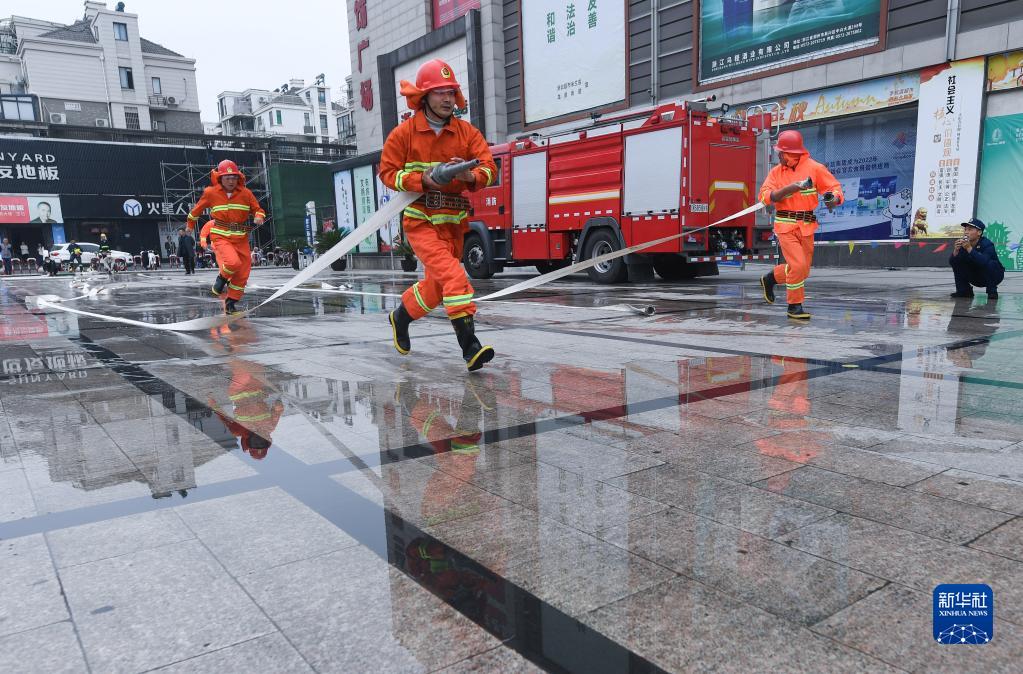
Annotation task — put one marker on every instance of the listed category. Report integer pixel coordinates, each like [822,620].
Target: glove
[445,173]
[806,184]
[830,198]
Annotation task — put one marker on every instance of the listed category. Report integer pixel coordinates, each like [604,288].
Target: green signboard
[743,37]
[1000,201]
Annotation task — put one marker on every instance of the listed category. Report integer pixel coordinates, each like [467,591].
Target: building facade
[914,104]
[293,111]
[98,72]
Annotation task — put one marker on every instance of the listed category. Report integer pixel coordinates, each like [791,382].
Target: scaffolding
[183,185]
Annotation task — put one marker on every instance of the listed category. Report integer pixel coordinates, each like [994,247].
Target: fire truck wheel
[612,271]
[475,258]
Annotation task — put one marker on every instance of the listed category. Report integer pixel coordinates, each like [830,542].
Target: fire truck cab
[619,182]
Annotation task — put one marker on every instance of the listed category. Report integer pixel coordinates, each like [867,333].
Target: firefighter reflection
[789,412]
[255,408]
[450,575]
[451,432]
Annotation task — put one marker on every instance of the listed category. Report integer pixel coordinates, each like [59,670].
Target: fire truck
[623,181]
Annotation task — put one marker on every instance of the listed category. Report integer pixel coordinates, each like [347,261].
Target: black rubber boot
[219,286]
[767,283]
[475,354]
[400,320]
[231,307]
[797,311]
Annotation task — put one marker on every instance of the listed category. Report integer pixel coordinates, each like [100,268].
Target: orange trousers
[235,260]
[797,249]
[440,249]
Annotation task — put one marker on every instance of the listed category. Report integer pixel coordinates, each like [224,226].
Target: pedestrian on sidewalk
[975,262]
[5,255]
[186,250]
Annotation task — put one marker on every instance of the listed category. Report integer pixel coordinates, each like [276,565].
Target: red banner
[446,11]
[13,209]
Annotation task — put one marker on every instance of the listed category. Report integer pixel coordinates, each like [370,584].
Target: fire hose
[378,220]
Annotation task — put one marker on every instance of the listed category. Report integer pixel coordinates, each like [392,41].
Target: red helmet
[790,142]
[434,74]
[226,168]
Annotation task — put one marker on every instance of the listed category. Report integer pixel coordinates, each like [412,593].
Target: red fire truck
[619,182]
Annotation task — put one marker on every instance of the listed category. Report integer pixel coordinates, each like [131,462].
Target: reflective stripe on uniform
[254,417]
[245,394]
[794,286]
[490,175]
[419,298]
[453,301]
[437,218]
[226,232]
[230,207]
[234,287]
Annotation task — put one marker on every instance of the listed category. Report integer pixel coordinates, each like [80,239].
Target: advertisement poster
[30,209]
[446,11]
[573,56]
[344,200]
[392,229]
[1005,71]
[365,205]
[872,157]
[1000,202]
[743,37]
[851,99]
[454,54]
[948,128]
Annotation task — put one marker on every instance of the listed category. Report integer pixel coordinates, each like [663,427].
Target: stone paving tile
[1006,540]
[666,623]
[486,457]
[982,490]
[584,457]
[732,503]
[349,611]
[570,498]
[911,559]
[261,529]
[120,536]
[987,456]
[894,625]
[271,653]
[732,463]
[45,650]
[30,594]
[789,583]
[419,494]
[16,500]
[155,607]
[577,573]
[941,518]
[500,659]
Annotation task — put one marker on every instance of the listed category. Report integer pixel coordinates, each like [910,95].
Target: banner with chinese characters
[849,99]
[344,200]
[30,209]
[446,11]
[573,56]
[1005,71]
[1000,202]
[743,37]
[365,204]
[392,229]
[948,137]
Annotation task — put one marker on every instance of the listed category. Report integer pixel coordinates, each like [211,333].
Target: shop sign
[1005,71]
[30,208]
[850,99]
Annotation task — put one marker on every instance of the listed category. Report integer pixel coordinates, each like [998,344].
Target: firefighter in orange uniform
[793,187]
[231,204]
[435,225]
[256,413]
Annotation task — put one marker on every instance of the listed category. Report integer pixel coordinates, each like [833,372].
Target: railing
[309,130]
[158,101]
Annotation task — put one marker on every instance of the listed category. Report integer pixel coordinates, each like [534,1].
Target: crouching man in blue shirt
[975,262]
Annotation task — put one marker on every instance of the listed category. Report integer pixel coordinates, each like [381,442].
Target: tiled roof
[79,31]
[153,48]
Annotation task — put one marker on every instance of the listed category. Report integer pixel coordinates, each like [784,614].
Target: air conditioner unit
[102,121]
[171,100]
[58,118]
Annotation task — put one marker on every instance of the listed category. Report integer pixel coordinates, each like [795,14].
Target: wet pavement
[711,488]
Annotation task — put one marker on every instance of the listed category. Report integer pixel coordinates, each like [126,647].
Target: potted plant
[408,256]
[292,246]
[328,240]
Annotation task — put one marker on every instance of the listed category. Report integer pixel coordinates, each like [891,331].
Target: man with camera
[975,262]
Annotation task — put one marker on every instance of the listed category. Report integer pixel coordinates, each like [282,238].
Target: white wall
[177,80]
[10,72]
[63,70]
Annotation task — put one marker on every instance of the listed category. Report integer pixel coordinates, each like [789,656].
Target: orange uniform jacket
[414,146]
[805,200]
[204,234]
[227,211]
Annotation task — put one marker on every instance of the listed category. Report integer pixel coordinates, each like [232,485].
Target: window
[127,80]
[307,122]
[497,176]
[157,86]
[323,97]
[271,116]
[307,98]
[89,247]
[279,122]
[159,125]
[223,108]
[17,107]
[121,31]
[131,118]
[323,122]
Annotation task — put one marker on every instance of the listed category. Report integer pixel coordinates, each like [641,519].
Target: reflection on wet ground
[711,487]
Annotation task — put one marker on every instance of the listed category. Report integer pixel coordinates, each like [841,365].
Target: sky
[271,41]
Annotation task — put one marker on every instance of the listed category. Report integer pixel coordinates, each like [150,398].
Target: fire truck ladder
[183,184]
